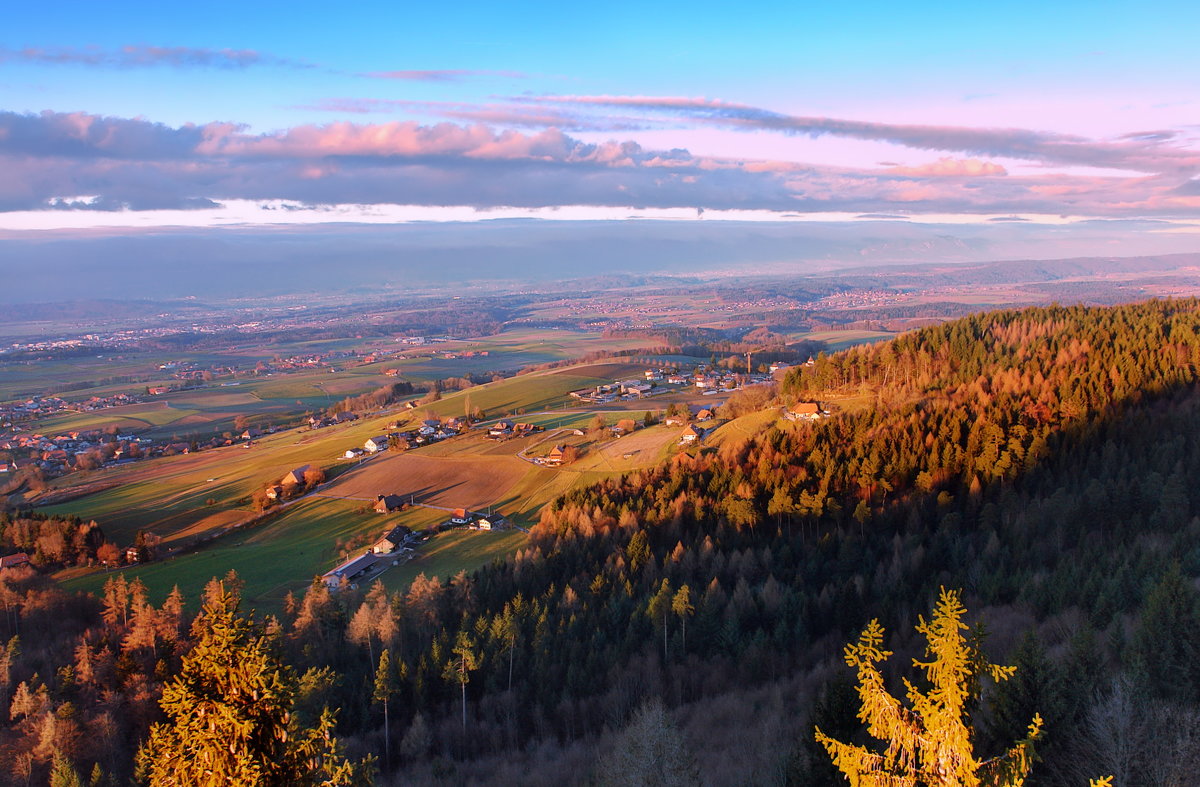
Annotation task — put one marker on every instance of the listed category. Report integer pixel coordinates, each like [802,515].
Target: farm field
[471,481]
[189,497]
[840,340]
[531,392]
[448,553]
[742,428]
[133,417]
[170,496]
[643,448]
[285,554]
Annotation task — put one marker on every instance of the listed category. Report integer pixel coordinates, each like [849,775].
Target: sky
[132,117]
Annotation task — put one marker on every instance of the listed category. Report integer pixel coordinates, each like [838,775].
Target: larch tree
[927,741]
[659,610]
[681,605]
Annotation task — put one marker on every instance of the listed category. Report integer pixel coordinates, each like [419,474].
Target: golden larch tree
[927,742]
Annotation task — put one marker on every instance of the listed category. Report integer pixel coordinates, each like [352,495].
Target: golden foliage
[927,742]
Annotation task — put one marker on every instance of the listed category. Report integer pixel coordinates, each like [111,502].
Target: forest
[1042,461]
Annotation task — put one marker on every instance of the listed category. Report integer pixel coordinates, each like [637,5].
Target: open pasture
[280,556]
[285,554]
[840,340]
[448,553]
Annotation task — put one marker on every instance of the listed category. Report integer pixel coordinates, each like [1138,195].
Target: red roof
[12,561]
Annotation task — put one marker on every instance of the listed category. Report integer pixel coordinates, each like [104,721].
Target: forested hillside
[1043,461]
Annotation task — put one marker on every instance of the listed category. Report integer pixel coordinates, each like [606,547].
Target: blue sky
[938,112]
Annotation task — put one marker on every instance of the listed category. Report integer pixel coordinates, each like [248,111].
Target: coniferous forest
[685,624]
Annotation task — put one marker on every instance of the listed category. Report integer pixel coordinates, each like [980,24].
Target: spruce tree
[229,715]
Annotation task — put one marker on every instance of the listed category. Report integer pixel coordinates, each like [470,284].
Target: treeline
[49,541]
[374,400]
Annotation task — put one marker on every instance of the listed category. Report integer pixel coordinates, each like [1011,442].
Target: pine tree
[1166,644]
[460,667]
[385,688]
[230,715]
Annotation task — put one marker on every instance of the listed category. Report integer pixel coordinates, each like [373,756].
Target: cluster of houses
[31,408]
[322,421]
[705,379]
[431,430]
[63,453]
[506,430]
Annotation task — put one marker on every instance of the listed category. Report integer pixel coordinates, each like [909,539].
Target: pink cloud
[140,164]
[1158,152]
[952,167]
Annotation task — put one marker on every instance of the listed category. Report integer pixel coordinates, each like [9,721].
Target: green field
[285,554]
[448,553]
[190,497]
[840,340]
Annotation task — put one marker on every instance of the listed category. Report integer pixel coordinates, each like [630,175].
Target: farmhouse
[376,444]
[693,434]
[296,477]
[803,411]
[460,517]
[392,540]
[704,415]
[349,571]
[14,561]
[385,504]
[555,457]
[274,492]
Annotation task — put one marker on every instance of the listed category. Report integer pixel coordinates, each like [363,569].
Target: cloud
[135,164]
[948,167]
[450,75]
[496,114]
[1148,153]
[146,56]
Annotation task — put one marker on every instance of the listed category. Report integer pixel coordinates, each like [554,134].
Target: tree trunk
[387,738]
[464,709]
[512,646]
